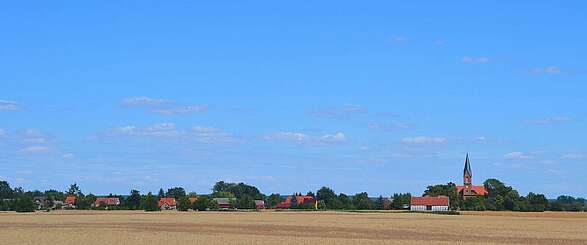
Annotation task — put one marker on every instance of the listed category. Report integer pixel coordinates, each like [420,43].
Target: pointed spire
[468,166]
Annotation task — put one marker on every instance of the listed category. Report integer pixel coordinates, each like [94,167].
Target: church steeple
[467,173]
[468,166]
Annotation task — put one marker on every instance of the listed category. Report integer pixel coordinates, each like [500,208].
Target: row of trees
[502,197]
[243,196]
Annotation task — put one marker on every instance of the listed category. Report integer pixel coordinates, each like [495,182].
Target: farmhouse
[468,189]
[107,201]
[223,202]
[430,204]
[70,201]
[259,204]
[299,200]
[167,203]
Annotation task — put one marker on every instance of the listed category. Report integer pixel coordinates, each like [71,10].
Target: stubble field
[323,228]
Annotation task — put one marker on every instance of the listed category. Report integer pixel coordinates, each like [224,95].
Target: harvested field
[124,227]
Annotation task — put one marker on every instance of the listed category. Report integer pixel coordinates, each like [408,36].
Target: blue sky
[383,97]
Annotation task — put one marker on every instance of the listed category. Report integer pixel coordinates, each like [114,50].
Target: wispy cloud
[399,39]
[472,59]
[6,105]
[68,156]
[424,140]
[574,156]
[551,120]
[302,138]
[339,112]
[181,109]
[143,101]
[517,155]
[546,70]
[36,150]
[201,134]
[396,125]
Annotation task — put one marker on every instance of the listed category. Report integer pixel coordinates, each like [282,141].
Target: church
[468,189]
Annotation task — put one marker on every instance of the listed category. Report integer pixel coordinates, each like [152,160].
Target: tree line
[243,196]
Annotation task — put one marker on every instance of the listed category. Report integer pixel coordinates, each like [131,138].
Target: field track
[323,228]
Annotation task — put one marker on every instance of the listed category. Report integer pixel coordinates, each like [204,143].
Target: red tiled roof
[70,199]
[478,189]
[300,200]
[433,201]
[107,201]
[167,200]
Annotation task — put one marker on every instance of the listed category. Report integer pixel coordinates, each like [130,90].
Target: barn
[430,204]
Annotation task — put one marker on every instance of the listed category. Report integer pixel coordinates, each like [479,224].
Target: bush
[24,204]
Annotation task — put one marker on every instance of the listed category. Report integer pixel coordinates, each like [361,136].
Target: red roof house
[300,200]
[108,201]
[430,204]
[167,203]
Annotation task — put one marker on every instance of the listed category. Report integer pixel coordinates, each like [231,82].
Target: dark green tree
[328,196]
[361,201]
[133,202]
[183,204]
[24,204]
[380,203]
[246,202]
[74,190]
[151,203]
[161,194]
[5,191]
[272,200]
[400,200]
[202,204]
[176,192]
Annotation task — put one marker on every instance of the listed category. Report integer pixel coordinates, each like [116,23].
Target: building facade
[430,204]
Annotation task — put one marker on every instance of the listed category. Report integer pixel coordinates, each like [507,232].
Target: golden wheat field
[323,228]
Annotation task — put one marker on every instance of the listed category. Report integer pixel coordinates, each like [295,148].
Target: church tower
[467,179]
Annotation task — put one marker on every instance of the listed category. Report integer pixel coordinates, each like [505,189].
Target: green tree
[161,194]
[380,203]
[183,204]
[246,202]
[272,200]
[202,204]
[222,194]
[176,192]
[151,203]
[344,202]
[537,202]
[5,191]
[133,202]
[474,203]
[400,200]
[361,201]
[74,190]
[328,196]
[24,204]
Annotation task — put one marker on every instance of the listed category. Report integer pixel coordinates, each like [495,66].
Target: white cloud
[574,156]
[169,130]
[423,140]
[68,156]
[399,39]
[182,109]
[143,101]
[36,150]
[396,125]
[333,138]
[547,70]
[302,138]
[471,59]
[6,105]
[516,155]
[551,120]
[2,133]
[339,112]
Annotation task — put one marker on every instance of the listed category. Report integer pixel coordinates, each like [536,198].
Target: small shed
[430,204]
[167,203]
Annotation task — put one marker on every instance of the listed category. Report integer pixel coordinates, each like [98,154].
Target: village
[440,198]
